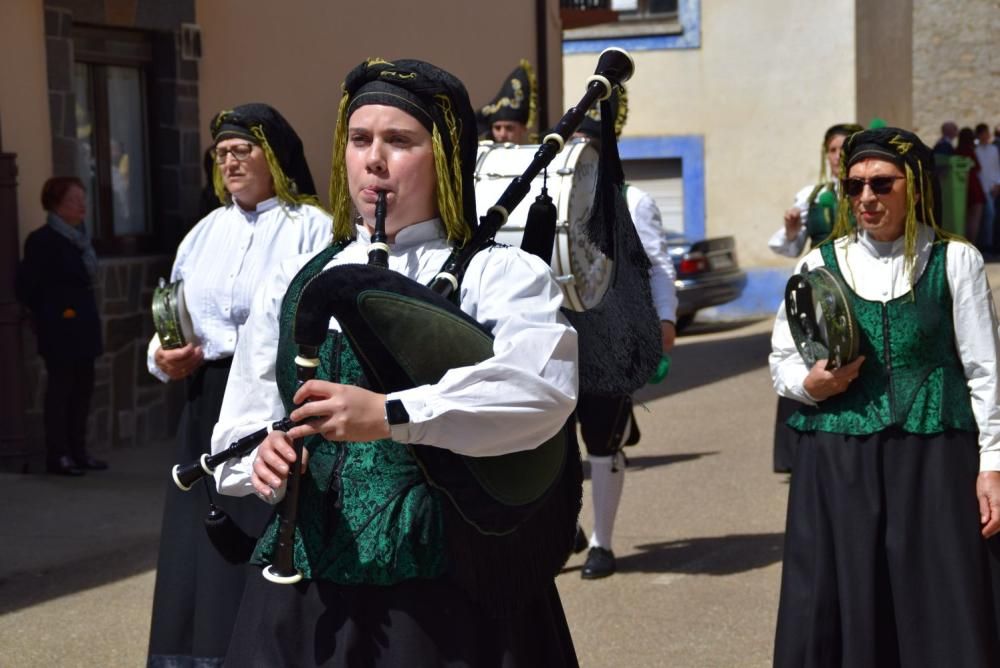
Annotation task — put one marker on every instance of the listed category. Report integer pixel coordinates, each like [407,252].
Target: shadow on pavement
[703,362]
[26,589]
[641,462]
[717,555]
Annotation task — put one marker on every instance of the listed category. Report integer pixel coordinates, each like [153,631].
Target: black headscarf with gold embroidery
[440,102]
[261,124]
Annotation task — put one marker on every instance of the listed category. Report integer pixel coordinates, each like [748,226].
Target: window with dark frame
[110,86]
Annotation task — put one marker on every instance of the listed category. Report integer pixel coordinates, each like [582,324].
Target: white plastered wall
[769,78]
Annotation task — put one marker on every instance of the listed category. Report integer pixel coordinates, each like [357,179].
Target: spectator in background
[975,198]
[949,131]
[55,282]
[989,177]
[996,137]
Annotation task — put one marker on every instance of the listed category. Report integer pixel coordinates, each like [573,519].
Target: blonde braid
[340,197]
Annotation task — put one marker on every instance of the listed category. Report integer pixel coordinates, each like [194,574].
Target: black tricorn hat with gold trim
[516,101]
[591,125]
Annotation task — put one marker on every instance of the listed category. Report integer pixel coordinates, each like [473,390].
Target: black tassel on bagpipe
[540,227]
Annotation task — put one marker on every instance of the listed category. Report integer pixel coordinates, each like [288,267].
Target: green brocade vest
[366,513]
[912,376]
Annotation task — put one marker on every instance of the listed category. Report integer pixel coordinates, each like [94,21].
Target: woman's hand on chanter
[179,363]
[822,384]
[272,464]
[339,412]
[988,492]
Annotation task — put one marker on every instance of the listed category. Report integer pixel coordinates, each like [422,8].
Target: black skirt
[417,623]
[785,438]
[197,592]
[884,564]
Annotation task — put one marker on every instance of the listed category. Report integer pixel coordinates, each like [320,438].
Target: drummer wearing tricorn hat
[510,116]
[608,423]
[897,474]
[268,211]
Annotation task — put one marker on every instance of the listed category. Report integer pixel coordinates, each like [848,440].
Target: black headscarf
[911,155]
[516,101]
[923,191]
[440,102]
[262,125]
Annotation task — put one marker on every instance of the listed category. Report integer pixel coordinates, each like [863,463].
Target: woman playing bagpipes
[381,548]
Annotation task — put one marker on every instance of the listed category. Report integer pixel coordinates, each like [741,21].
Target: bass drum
[581,269]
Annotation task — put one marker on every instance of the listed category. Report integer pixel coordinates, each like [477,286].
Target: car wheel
[683,322]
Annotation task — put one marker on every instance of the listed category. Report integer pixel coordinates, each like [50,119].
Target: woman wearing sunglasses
[897,476]
[268,212]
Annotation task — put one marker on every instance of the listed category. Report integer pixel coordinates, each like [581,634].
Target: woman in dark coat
[55,282]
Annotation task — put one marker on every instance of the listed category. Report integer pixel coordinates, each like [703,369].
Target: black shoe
[92,464]
[64,466]
[580,542]
[600,564]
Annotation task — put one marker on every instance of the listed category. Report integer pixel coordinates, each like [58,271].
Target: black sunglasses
[880,185]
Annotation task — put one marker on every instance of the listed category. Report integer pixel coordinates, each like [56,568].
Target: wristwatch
[398,420]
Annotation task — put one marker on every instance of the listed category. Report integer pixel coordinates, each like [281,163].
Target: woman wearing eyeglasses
[897,476]
[268,212]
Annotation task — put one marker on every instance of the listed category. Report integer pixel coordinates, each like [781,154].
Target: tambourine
[170,315]
[820,318]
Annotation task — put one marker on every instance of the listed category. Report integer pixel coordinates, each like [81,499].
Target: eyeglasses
[239,151]
[880,185]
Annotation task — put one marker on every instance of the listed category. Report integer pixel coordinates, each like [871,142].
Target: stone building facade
[956,65]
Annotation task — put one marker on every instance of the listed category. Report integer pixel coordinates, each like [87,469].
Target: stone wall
[956,64]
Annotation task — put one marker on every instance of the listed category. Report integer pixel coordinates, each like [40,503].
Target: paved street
[698,538]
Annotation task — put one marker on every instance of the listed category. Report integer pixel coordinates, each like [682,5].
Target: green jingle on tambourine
[820,317]
[170,315]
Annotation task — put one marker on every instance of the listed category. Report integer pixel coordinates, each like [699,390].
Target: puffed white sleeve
[522,395]
[788,370]
[779,242]
[251,401]
[978,342]
[649,225]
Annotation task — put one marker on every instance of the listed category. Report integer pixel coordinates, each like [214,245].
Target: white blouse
[223,259]
[875,271]
[513,401]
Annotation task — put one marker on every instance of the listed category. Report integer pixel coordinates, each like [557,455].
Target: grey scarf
[79,237]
